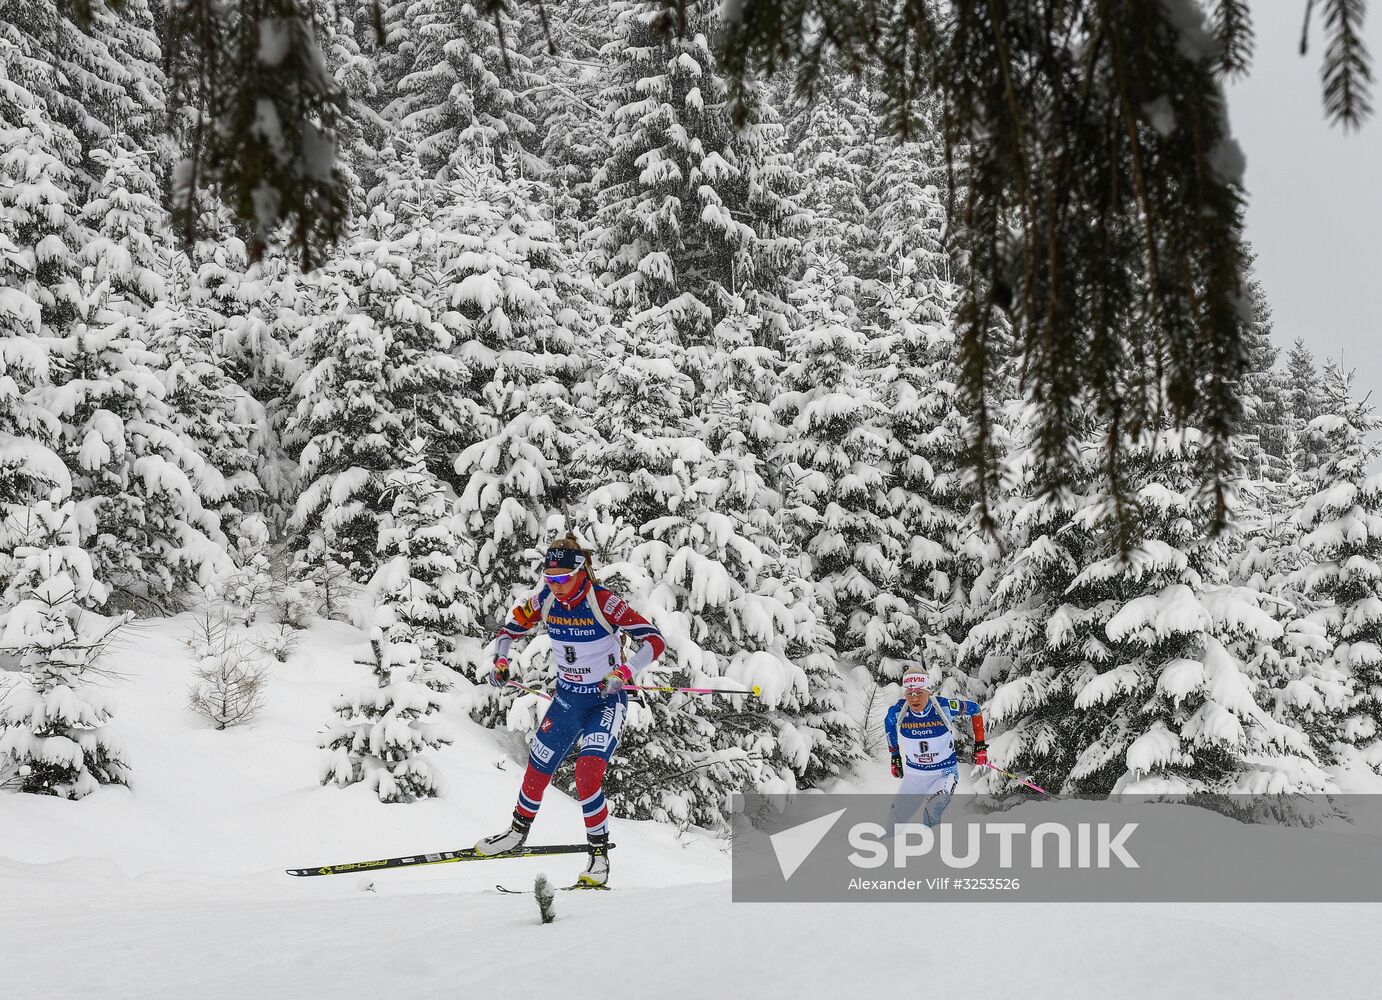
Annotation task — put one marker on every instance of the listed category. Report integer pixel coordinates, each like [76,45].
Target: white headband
[915,682]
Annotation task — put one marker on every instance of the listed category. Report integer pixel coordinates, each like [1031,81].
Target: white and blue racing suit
[930,769]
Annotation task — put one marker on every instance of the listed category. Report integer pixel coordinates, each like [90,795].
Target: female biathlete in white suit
[584,622]
[923,748]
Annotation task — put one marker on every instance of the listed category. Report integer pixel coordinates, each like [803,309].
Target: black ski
[578,887]
[440,858]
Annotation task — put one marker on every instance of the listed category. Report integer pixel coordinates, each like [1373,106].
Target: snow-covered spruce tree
[253,312]
[831,138]
[36,222]
[1300,682]
[122,214]
[213,413]
[770,632]
[906,290]
[131,470]
[251,585]
[570,123]
[428,575]
[690,212]
[111,385]
[385,729]
[28,467]
[929,484]
[877,202]
[513,479]
[101,83]
[1343,545]
[681,754]
[906,221]
[456,87]
[354,43]
[378,370]
[915,366]
[1305,400]
[94,101]
[634,469]
[686,516]
[1035,638]
[767,266]
[1183,709]
[106,371]
[1125,675]
[835,490]
[330,588]
[41,215]
[53,730]
[1267,419]
[136,117]
[816,735]
[517,323]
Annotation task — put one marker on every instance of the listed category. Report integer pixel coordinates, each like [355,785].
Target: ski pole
[756,691]
[1020,780]
[524,687]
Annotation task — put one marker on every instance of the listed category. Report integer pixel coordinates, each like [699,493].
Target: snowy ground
[174,889]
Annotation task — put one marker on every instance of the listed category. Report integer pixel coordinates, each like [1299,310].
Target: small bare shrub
[281,643]
[229,689]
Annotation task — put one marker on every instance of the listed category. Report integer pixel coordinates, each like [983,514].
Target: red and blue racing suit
[585,636]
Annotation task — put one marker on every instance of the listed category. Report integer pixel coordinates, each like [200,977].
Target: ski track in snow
[174,889]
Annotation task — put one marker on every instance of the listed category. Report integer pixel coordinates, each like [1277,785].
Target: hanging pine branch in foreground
[1096,196]
[261,122]
[1096,191]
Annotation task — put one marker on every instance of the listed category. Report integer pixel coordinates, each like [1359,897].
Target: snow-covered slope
[174,888]
[246,802]
[443,936]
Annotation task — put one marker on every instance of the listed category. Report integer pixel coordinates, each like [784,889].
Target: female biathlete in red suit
[584,622]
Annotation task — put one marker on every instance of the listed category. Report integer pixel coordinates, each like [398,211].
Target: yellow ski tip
[757,690]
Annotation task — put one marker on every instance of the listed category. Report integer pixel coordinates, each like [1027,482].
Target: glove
[981,753]
[499,673]
[897,764]
[615,680]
